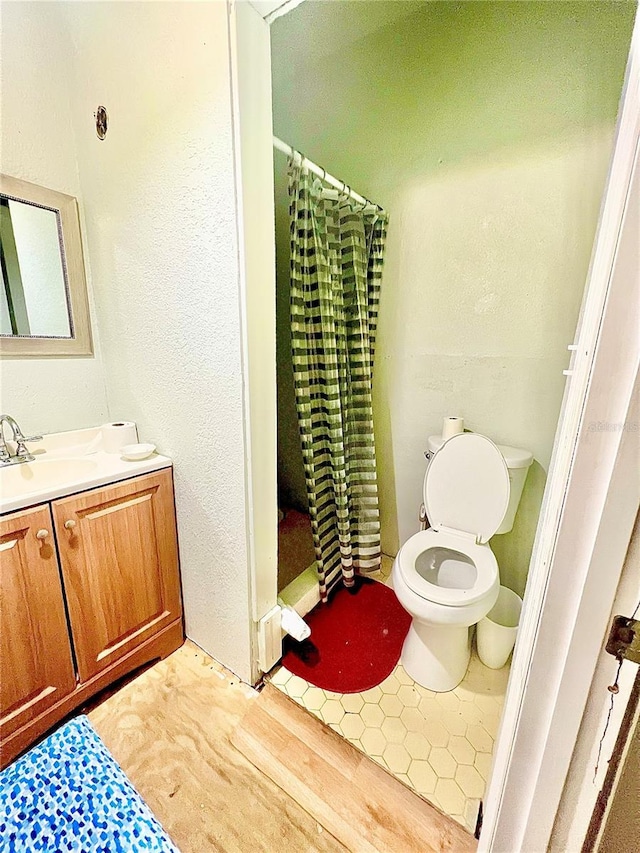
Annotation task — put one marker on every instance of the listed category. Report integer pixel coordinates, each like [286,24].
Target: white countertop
[74,461]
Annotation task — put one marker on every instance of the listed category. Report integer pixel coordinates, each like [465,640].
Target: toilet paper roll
[117,434]
[452,426]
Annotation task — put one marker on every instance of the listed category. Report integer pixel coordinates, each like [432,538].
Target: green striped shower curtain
[337,254]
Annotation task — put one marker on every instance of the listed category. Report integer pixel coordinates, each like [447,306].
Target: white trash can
[496,633]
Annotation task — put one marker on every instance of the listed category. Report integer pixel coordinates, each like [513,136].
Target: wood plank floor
[189,735]
[362,804]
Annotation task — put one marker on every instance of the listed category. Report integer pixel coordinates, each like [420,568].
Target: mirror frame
[66,206]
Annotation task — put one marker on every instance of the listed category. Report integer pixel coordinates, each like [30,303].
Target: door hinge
[624,639]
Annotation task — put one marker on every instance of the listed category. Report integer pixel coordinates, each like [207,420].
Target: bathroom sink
[32,477]
[67,463]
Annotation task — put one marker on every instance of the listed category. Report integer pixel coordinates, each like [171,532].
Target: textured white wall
[485,129]
[161,233]
[37,144]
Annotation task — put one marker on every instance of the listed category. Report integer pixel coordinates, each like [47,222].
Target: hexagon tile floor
[439,744]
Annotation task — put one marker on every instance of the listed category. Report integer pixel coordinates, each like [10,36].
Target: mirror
[33,301]
[43,300]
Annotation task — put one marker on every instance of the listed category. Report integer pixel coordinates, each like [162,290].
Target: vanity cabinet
[89,591]
[36,667]
[119,562]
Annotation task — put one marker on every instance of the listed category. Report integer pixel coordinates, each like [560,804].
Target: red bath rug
[355,641]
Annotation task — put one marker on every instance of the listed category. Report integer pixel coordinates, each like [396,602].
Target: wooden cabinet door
[36,667]
[119,559]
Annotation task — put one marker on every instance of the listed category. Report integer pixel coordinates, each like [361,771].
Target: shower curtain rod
[318,170]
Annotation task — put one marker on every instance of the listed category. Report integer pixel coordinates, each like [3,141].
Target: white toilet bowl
[447,577]
[446,583]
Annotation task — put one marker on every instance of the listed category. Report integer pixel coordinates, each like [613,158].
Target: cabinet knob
[69,525]
[42,534]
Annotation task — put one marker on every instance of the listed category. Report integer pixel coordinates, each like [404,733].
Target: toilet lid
[466,487]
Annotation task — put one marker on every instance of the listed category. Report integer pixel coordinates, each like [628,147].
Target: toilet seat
[466,493]
[481,557]
[466,487]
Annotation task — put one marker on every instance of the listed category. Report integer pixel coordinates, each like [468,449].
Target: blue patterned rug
[69,794]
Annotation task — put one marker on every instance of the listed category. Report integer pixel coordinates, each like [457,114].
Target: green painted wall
[486,131]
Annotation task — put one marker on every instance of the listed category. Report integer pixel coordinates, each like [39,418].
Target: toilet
[447,577]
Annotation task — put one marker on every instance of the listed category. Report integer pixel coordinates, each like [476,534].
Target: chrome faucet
[22,454]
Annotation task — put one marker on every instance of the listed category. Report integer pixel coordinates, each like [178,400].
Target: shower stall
[329,257]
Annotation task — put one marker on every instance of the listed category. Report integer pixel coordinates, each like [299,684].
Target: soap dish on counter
[136,452]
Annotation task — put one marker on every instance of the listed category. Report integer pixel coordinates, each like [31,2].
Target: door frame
[553,667]
[628,738]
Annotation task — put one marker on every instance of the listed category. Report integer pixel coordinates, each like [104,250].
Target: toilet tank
[518,462]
